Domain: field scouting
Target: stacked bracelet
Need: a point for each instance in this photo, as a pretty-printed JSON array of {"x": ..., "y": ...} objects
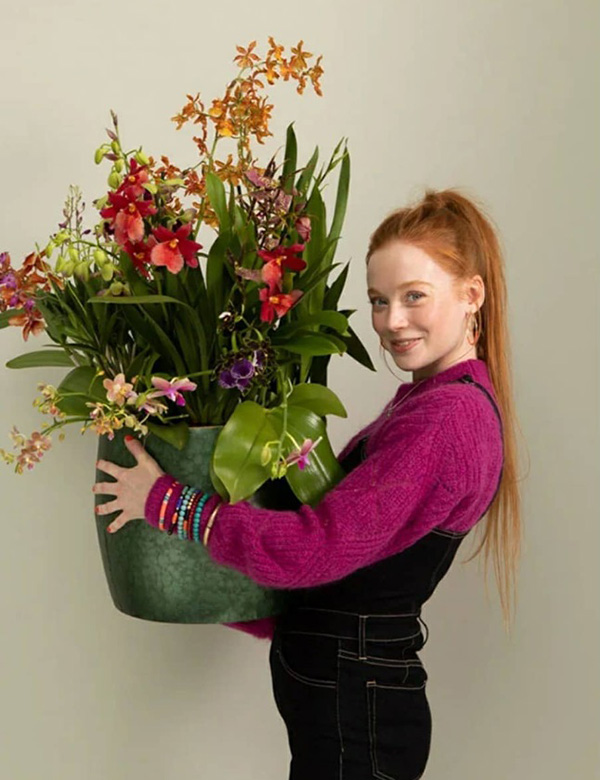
[{"x": 173, "y": 507}]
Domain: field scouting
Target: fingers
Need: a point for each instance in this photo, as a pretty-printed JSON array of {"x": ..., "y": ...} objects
[
  {"x": 105, "y": 488},
  {"x": 108, "y": 468},
  {"x": 107, "y": 508},
  {"x": 118, "y": 523}
]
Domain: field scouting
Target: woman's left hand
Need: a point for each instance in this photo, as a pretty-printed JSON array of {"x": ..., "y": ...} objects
[{"x": 132, "y": 486}]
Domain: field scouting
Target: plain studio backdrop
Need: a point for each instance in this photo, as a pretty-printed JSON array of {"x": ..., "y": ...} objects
[{"x": 498, "y": 98}]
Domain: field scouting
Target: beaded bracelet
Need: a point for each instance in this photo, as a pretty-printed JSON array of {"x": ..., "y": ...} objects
[
  {"x": 182, "y": 512},
  {"x": 163, "y": 506},
  {"x": 173, "y": 523},
  {"x": 197, "y": 517},
  {"x": 198, "y": 494}
]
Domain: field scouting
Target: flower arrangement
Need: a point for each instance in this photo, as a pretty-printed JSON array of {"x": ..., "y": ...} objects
[{"x": 162, "y": 331}]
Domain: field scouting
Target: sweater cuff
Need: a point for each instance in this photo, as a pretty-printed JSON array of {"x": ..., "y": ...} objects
[{"x": 156, "y": 495}]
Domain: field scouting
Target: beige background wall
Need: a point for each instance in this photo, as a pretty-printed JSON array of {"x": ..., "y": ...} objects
[{"x": 498, "y": 97}]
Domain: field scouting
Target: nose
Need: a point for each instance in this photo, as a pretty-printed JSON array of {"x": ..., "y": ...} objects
[{"x": 396, "y": 319}]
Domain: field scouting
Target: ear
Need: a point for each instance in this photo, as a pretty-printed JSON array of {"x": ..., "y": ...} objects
[{"x": 474, "y": 291}]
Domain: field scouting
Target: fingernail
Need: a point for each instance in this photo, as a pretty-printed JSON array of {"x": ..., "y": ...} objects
[
  {"x": 109, "y": 529},
  {"x": 129, "y": 438}
]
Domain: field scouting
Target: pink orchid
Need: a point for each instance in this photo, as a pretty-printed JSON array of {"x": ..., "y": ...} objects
[
  {"x": 172, "y": 389},
  {"x": 301, "y": 456},
  {"x": 118, "y": 390}
]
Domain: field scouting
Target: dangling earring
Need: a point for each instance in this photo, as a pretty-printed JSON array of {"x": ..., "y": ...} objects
[
  {"x": 383, "y": 350},
  {"x": 475, "y": 329}
]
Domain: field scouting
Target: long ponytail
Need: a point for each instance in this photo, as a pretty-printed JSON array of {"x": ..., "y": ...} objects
[{"x": 461, "y": 238}]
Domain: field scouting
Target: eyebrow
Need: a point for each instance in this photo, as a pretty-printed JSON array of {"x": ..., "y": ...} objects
[{"x": 405, "y": 284}]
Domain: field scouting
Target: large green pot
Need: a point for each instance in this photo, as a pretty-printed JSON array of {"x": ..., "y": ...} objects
[{"x": 154, "y": 576}]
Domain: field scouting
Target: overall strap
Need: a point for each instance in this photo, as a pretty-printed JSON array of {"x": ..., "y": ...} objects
[{"x": 468, "y": 380}]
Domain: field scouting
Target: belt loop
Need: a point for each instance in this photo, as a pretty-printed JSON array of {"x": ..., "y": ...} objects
[{"x": 362, "y": 649}]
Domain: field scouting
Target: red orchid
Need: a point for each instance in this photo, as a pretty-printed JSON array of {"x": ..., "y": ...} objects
[
  {"x": 126, "y": 215},
  {"x": 140, "y": 254},
  {"x": 132, "y": 183},
  {"x": 279, "y": 258},
  {"x": 174, "y": 248},
  {"x": 276, "y": 303}
]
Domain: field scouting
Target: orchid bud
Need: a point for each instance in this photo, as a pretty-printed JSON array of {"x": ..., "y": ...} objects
[
  {"x": 99, "y": 155},
  {"x": 116, "y": 288},
  {"x": 59, "y": 265},
  {"x": 100, "y": 257},
  {"x": 82, "y": 271},
  {"x": 114, "y": 180},
  {"x": 73, "y": 254},
  {"x": 100, "y": 203},
  {"x": 50, "y": 247},
  {"x": 107, "y": 271},
  {"x": 119, "y": 165},
  {"x": 114, "y": 145},
  {"x": 265, "y": 455},
  {"x": 188, "y": 215},
  {"x": 141, "y": 158},
  {"x": 61, "y": 237}
]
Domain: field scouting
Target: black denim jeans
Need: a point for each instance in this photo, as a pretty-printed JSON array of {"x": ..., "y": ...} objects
[{"x": 351, "y": 690}]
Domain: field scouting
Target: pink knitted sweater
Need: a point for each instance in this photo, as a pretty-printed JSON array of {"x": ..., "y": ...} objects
[{"x": 434, "y": 463}]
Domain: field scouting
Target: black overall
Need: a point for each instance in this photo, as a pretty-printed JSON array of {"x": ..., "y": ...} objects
[{"x": 347, "y": 678}]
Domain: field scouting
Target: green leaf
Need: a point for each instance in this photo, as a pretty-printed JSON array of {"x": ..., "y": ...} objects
[
  {"x": 319, "y": 399},
  {"x": 357, "y": 350},
  {"x": 84, "y": 386},
  {"x": 305, "y": 177},
  {"x": 55, "y": 357},
  {"x": 332, "y": 319},
  {"x": 290, "y": 158},
  {"x": 341, "y": 200},
  {"x": 309, "y": 343},
  {"x": 323, "y": 470},
  {"x": 332, "y": 295},
  {"x": 6, "y": 315},
  {"x": 140, "y": 299},
  {"x": 216, "y": 197},
  {"x": 238, "y": 449},
  {"x": 176, "y": 434}
]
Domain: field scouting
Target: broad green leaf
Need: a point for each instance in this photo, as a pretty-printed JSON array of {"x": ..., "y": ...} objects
[
  {"x": 319, "y": 399},
  {"x": 332, "y": 319},
  {"x": 216, "y": 196},
  {"x": 139, "y": 299},
  {"x": 309, "y": 343},
  {"x": 55, "y": 357},
  {"x": 323, "y": 470},
  {"x": 175, "y": 434},
  {"x": 85, "y": 386},
  {"x": 237, "y": 453}
]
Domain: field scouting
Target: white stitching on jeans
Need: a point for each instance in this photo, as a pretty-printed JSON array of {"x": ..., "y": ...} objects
[
  {"x": 302, "y": 678},
  {"x": 373, "y": 732},
  {"x": 337, "y": 713}
]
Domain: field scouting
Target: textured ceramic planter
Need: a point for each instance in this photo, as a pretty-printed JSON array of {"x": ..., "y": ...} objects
[{"x": 154, "y": 576}]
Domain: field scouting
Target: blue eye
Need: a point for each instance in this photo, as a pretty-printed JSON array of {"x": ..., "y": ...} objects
[
  {"x": 373, "y": 301},
  {"x": 420, "y": 295}
]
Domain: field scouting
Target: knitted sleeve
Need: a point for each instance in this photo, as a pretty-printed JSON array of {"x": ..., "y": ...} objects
[{"x": 405, "y": 487}]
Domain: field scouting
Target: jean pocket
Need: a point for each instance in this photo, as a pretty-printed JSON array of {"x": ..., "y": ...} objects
[
  {"x": 399, "y": 721},
  {"x": 309, "y": 659}
]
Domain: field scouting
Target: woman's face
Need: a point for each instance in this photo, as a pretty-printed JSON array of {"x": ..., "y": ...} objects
[{"x": 412, "y": 297}]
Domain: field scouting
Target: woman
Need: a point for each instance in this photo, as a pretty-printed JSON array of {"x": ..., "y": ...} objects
[{"x": 347, "y": 677}]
